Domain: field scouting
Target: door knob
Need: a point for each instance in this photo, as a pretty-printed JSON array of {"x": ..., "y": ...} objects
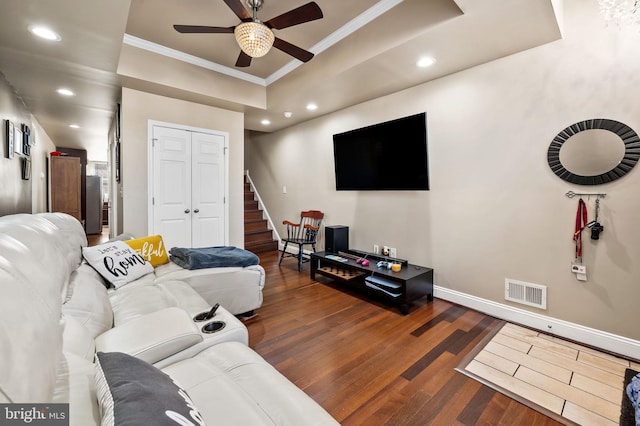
[
  {"x": 187, "y": 211},
  {"x": 196, "y": 211}
]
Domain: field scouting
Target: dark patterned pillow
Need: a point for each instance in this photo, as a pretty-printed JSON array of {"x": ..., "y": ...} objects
[
  {"x": 628, "y": 413},
  {"x": 134, "y": 392}
]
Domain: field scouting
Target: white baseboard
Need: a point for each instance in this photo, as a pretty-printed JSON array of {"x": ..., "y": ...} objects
[{"x": 589, "y": 336}]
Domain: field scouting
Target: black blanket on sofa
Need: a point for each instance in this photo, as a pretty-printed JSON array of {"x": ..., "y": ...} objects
[{"x": 212, "y": 257}]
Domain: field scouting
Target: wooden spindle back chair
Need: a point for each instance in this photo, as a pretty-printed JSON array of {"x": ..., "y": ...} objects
[{"x": 303, "y": 233}]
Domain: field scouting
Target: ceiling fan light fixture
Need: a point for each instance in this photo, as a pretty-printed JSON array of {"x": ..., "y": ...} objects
[{"x": 254, "y": 38}]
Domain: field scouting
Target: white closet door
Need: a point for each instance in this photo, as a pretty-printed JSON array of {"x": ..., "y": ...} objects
[
  {"x": 188, "y": 187},
  {"x": 172, "y": 186},
  {"x": 207, "y": 168}
]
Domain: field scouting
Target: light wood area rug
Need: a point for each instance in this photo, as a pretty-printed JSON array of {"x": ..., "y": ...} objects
[{"x": 571, "y": 383}]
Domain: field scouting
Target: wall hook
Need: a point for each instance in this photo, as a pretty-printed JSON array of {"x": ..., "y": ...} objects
[{"x": 572, "y": 194}]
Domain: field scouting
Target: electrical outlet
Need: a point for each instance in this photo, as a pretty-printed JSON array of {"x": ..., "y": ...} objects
[
  {"x": 392, "y": 252},
  {"x": 578, "y": 269},
  {"x": 376, "y": 249}
]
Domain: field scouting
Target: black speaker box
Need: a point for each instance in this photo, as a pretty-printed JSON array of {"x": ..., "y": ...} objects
[{"x": 336, "y": 238}]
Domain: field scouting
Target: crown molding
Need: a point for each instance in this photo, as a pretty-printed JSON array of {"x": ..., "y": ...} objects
[
  {"x": 190, "y": 59},
  {"x": 347, "y": 29}
]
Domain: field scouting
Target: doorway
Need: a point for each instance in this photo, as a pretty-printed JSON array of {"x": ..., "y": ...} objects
[{"x": 187, "y": 186}]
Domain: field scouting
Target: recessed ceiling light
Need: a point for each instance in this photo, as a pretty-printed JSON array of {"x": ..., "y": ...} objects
[
  {"x": 45, "y": 33},
  {"x": 425, "y": 62},
  {"x": 65, "y": 92},
  {"x": 288, "y": 114},
  {"x": 265, "y": 122},
  {"x": 312, "y": 107},
  {"x": 74, "y": 126}
]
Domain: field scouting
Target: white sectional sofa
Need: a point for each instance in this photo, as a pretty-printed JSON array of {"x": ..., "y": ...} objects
[{"x": 109, "y": 354}]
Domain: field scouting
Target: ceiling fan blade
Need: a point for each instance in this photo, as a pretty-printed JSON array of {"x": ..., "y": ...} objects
[
  {"x": 244, "y": 60},
  {"x": 238, "y": 9},
  {"x": 293, "y": 50},
  {"x": 198, "y": 29},
  {"x": 305, "y": 13}
]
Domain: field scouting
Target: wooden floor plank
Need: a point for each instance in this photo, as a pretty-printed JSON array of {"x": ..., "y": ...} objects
[
  {"x": 566, "y": 392},
  {"x": 615, "y": 365},
  {"x": 532, "y": 393},
  {"x": 497, "y": 362},
  {"x": 535, "y": 339},
  {"x": 583, "y": 416},
  {"x": 512, "y": 343},
  {"x": 537, "y": 364},
  {"x": 583, "y": 348},
  {"x": 587, "y": 384},
  {"x": 471, "y": 413},
  {"x": 579, "y": 367}
]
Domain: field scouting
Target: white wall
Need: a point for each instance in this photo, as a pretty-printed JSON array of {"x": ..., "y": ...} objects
[
  {"x": 140, "y": 107},
  {"x": 495, "y": 209}
]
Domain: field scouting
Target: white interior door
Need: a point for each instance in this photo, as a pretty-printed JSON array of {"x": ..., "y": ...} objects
[
  {"x": 188, "y": 194},
  {"x": 207, "y": 191},
  {"x": 172, "y": 186}
]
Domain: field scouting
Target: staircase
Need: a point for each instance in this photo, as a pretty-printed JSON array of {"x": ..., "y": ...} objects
[{"x": 258, "y": 238}]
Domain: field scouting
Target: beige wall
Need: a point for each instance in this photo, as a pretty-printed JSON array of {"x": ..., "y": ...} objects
[
  {"x": 137, "y": 109},
  {"x": 39, "y": 153},
  {"x": 18, "y": 195},
  {"x": 495, "y": 209}
]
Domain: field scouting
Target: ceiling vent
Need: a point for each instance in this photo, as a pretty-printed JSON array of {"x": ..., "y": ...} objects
[{"x": 525, "y": 293}]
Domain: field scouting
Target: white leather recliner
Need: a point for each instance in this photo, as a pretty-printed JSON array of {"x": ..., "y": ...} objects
[{"x": 56, "y": 314}]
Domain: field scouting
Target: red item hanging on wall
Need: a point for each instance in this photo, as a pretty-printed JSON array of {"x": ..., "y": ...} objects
[{"x": 581, "y": 222}]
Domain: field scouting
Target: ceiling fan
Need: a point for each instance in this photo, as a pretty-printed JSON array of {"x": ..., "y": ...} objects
[{"x": 254, "y": 37}]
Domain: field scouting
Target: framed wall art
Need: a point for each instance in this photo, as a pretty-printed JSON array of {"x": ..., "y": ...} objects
[
  {"x": 17, "y": 140},
  {"x": 117, "y": 162},
  {"x": 26, "y": 168},
  {"x": 26, "y": 140},
  {"x": 9, "y": 135},
  {"x": 117, "y": 125}
]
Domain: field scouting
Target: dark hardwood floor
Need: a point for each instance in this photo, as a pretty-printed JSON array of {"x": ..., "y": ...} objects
[
  {"x": 367, "y": 364},
  {"x": 95, "y": 239}
]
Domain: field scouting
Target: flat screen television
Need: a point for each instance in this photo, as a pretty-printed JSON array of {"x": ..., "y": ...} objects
[{"x": 388, "y": 156}]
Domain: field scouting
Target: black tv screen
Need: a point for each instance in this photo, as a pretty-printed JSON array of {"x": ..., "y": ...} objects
[{"x": 386, "y": 156}]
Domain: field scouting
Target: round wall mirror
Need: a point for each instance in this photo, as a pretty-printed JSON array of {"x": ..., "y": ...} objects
[{"x": 593, "y": 152}]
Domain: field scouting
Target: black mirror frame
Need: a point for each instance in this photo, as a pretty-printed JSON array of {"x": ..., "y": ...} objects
[{"x": 630, "y": 158}]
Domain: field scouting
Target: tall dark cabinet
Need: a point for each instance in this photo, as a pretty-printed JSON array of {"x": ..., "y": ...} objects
[
  {"x": 65, "y": 186},
  {"x": 82, "y": 155}
]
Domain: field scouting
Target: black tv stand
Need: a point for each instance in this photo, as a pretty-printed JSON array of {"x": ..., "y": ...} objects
[{"x": 401, "y": 288}]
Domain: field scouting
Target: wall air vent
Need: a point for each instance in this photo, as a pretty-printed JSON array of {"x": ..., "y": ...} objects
[{"x": 525, "y": 293}]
